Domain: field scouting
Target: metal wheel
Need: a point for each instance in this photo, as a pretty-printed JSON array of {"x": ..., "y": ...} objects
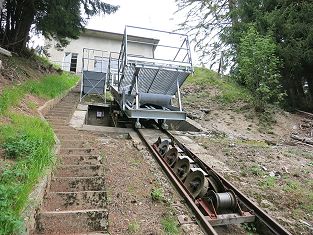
[
  {"x": 163, "y": 147},
  {"x": 196, "y": 184},
  {"x": 171, "y": 156},
  {"x": 182, "y": 168}
]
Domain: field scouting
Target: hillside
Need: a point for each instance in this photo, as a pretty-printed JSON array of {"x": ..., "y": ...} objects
[
  {"x": 26, "y": 141},
  {"x": 259, "y": 155}
]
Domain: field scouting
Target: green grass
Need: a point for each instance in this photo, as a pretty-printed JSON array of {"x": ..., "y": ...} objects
[
  {"x": 170, "y": 225},
  {"x": 133, "y": 227},
  {"x": 157, "y": 194},
  {"x": 27, "y": 143},
  {"x": 268, "y": 182},
  {"x": 230, "y": 91},
  {"x": 49, "y": 87},
  {"x": 18, "y": 178}
]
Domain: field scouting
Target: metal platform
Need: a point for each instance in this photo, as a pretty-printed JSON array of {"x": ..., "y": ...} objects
[{"x": 149, "y": 83}]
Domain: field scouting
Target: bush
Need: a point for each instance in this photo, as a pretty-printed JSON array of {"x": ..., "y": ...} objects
[
  {"x": 19, "y": 146},
  {"x": 258, "y": 68}
]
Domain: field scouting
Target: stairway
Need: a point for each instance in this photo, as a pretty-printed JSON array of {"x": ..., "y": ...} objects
[{"x": 75, "y": 200}]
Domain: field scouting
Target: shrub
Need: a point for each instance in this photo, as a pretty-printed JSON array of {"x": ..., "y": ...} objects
[{"x": 258, "y": 68}]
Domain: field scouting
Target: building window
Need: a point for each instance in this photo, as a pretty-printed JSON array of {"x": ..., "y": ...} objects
[
  {"x": 70, "y": 62},
  {"x": 74, "y": 62}
]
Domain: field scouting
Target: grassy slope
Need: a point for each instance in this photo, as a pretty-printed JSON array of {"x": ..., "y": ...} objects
[
  {"x": 207, "y": 87},
  {"x": 229, "y": 91},
  {"x": 27, "y": 143}
]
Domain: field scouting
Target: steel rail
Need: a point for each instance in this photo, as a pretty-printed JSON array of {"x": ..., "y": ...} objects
[
  {"x": 267, "y": 220},
  {"x": 208, "y": 228}
]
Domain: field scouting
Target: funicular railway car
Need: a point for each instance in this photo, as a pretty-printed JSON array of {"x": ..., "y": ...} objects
[{"x": 145, "y": 85}]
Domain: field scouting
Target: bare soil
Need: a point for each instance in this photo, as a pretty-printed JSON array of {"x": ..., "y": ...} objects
[
  {"x": 266, "y": 164},
  {"x": 131, "y": 176},
  {"x": 16, "y": 70}
]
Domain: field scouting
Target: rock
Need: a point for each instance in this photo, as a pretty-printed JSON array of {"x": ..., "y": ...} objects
[
  {"x": 263, "y": 168},
  {"x": 306, "y": 224},
  {"x": 266, "y": 204},
  {"x": 272, "y": 174},
  {"x": 206, "y": 111},
  {"x": 285, "y": 169}
]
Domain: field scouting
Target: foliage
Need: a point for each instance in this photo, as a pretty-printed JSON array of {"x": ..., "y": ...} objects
[
  {"x": 258, "y": 67},
  {"x": 19, "y": 146},
  {"x": 169, "y": 225},
  {"x": 28, "y": 142},
  {"x": 54, "y": 19},
  {"x": 133, "y": 227},
  {"x": 18, "y": 179},
  {"x": 230, "y": 90},
  {"x": 157, "y": 194},
  {"x": 217, "y": 28},
  {"x": 48, "y": 87}
]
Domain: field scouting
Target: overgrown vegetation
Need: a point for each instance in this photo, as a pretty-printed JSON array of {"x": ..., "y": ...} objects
[
  {"x": 170, "y": 225},
  {"x": 27, "y": 143},
  {"x": 157, "y": 194},
  {"x": 133, "y": 227},
  {"x": 283, "y": 31},
  {"x": 229, "y": 90},
  {"x": 59, "y": 20},
  {"x": 48, "y": 87},
  {"x": 258, "y": 68}
]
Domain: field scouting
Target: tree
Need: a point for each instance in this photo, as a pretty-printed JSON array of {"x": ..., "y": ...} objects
[
  {"x": 258, "y": 67},
  {"x": 58, "y": 19},
  {"x": 218, "y": 25}
]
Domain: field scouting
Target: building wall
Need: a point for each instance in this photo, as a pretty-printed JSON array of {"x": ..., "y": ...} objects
[{"x": 98, "y": 43}]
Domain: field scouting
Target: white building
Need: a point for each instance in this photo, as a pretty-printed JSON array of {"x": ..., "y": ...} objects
[{"x": 98, "y": 45}]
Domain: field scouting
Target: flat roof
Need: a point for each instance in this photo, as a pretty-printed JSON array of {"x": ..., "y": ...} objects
[{"x": 117, "y": 36}]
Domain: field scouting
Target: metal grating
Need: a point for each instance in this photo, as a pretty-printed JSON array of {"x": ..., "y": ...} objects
[{"x": 154, "y": 80}]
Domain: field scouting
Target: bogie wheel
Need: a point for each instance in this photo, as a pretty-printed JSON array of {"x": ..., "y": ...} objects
[
  {"x": 196, "y": 184},
  {"x": 182, "y": 168},
  {"x": 163, "y": 147},
  {"x": 171, "y": 156}
]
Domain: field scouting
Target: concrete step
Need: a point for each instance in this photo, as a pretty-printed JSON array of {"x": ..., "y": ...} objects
[
  {"x": 70, "y": 137},
  {"x": 74, "y": 144},
  {"x": 69, "y": 222},
  {"x": 79, "y": 170},
  {"x": 75, "y": 151},
  {"x": 69, "y": 201},
  {"x": 61, "y": 110},
  {"x": 75, "y": 184},
  {"x": 66, "y": 130},
  {"x": 56, "y": 118},
  {"x": 53, "y": 115},
  {"x": 81, "y": 159},
  {"x": 58, "y": 122}
]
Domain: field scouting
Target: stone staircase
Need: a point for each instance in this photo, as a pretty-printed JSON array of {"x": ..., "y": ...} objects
[{"x": 75, "y": 200}]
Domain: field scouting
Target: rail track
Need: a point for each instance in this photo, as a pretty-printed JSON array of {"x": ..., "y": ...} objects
[{"x": 213, "y": 199}]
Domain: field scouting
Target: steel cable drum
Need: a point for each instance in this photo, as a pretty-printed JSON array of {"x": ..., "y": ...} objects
[
  {"x": 156, "y": 99},
  {"x": 223, "y": 201},
  {"x": 196, "y": 184},
  {"x": 171, "y": 156},
  {"x": 182, "y": 168}
]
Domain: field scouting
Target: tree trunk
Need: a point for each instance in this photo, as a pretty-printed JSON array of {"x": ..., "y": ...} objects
[{"x": 27, "y": 13}]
